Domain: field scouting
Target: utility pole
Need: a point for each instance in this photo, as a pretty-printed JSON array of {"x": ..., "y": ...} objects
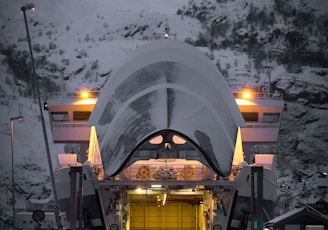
[{"x": 45, "y": 136}]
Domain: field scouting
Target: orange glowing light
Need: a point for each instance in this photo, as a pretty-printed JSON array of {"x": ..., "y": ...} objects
[
  {"x": 84, "y": 94},
  {"x": 178, "y": 140},
  {"x": 247, "y": 95},
  {"x": 156, "y": 140}
]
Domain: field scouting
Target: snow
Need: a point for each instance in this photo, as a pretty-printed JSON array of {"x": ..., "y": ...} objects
[
  {"x": 86, "y": 32},
  {"x": 95, "y": 31}
]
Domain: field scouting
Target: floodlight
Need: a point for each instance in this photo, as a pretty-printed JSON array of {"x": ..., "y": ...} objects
[
  {"x": 246, "y": 95},
  {"x": 29, "y": 6},
  {"x": 84, "y": 94}
]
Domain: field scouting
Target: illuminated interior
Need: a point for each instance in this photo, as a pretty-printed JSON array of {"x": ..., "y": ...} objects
[{"x": 166, "y": 169}]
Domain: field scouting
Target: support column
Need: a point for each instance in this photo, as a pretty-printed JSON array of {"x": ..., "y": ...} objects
[
  {"x": 257, "y": 204},
  {"x": 73, "y": 201},
  {"x": 260, "y": 198}
]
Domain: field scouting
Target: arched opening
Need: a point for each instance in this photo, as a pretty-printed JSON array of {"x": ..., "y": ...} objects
[
  {"x": 166, "y": 155},
  {"x": 164, "y": 174}
]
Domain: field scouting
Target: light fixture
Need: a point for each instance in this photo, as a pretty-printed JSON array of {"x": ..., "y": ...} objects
[
  {"x": 167, "y": 30},
  {"x": 159, "y": 201},
  {"x": 139, "y": 190},
  {"x": 45, "y": 106},
  {"x": 247, "y": 95},
  {"x": 164, "y": 199},
  {"x": 156, "y": 186},
  {"x": 84, "y": 94},
  {"x": 29, "y": 6}
]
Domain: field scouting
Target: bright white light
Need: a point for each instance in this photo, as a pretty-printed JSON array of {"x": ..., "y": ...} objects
[
  {"x": 139, "y": 190},
  {"x": 155, "y": 186},
  {"x": 164, "y": 199}
]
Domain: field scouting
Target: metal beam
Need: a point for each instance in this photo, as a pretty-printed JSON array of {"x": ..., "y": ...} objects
[
  {"x": 73, "y": 201},
  {"x": 257, "y": 204}
]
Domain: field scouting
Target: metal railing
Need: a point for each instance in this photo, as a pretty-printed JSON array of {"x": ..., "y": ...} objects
[
  {"x": 262, "y": 125},
  {"x": 258, "y": 95},
  {"x": 55, "y": 95},
  {"x": 70, "y": 125}
]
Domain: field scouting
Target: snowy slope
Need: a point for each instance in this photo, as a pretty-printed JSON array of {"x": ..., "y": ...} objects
[
  {"x": 81, "y": 40},
  {"x": 84, "y": 41}
]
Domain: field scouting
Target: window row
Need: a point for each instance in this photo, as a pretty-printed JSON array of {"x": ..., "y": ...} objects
[
  {"x": 267, "y": 117},
  {"x": 77, "y": 116}
]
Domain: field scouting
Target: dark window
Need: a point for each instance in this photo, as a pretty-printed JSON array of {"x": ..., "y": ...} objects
[
  {"x": 81, "y": 115},
  {"x": 314, "y": 227},
  {"x": 271, "y": 117},
  {"x": 250, "y": 116},
  {"x": 59, "y": 116}
]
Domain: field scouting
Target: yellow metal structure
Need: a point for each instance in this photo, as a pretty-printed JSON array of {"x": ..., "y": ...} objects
[{"x": 177, "y": 216}]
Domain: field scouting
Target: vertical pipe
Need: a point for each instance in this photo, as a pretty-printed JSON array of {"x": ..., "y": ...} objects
[
  {"x": 13, "y": 171},
  {"x": 72, "y": 212},
  {"x": 73, "y": 200},
  {"x": 12, "y": 119},
  {"x": 252, "y": 199},
  {"x": 259, "y": 197},
  {"x": 81, "y": 199}
]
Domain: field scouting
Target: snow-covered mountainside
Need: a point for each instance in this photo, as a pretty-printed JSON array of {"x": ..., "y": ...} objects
[{"x": 78, "y": 43}]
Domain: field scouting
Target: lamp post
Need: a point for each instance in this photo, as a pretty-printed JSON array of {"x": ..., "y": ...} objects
[
  {"x": 37, "y": 91},
  {"x": 12, "y": 165}
]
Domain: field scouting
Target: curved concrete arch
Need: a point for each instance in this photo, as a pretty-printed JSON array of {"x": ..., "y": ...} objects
[{"x": 166, "y": 85}]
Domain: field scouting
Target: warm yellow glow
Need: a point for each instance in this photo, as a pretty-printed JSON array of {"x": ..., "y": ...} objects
[
  {"x": 84, "y": 94},
  {"x": 87, "y": 101},
  {"x": 247, "y": 95},
  {"x": 94, "y": 156},
  {"x": 139, "y": 190},
  {"x": 178, "y": 140},
  {"x": 244, "y": 102},
  {"x": 156, "y": 140},
  {"x": 164, "y": 199},
  {"x": 238, "y": 157},
  {"x": 33, "y": 8}
]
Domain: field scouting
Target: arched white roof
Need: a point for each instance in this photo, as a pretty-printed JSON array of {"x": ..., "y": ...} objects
[{"x": 163, "y": 85}]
